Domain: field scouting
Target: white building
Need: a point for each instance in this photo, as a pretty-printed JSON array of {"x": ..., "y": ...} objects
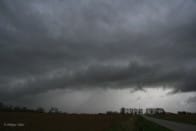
[
  {"x": 153, "y": 111},
  {"x": 133, "y": 111}
]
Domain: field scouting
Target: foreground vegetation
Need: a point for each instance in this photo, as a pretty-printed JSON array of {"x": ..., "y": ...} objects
[
  {"x": 186, "y": 118},
  {"x": 137, "y": 123},
  {"x": 76, "y": 122},
  {"x": 145, "y": 125}
]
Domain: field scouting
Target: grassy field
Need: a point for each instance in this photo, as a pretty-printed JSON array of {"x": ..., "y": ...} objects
[
  {"x": 138, "y": 123},
  {"x": 145, "y": 125},
  {"x": 189, "y": 119},
  {"x": 64, "y": 122}
]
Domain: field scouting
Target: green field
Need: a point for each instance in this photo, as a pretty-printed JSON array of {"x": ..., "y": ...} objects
[
  {"x": 189, "y": 118},
  {"x": 76, "y": 122},
  {"x": 138, "y": 123}
]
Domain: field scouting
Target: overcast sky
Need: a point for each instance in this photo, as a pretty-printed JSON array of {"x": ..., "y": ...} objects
[{"x": 103, "y": 53}]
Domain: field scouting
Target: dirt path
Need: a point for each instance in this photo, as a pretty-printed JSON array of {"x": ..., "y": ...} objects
[{"x": 175, "y": 126}]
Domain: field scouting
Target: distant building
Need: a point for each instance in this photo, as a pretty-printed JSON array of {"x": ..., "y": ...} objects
[
  {"x": 132, "y": 111},
  {"x": 153, "y": 111}
]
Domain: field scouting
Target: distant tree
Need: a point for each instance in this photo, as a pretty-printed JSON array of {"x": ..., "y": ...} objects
[
  {"x": 122, "y": 110},
  {"x": 54, "y": 110},
  {"x": 9, "y": 108},
  {"x": 18, "y": 109},
  {"x": 40, "y": 110},
  {"x": 184, "y": 113},
  {"x": 111, "y": 112},
  {"x": 1, "y": 105},
  {"x": 24, "y": 109}
]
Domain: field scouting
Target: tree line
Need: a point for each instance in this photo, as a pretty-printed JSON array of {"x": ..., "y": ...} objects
[{"x": 10, "y": 108}]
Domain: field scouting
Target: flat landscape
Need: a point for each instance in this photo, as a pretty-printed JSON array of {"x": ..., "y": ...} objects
[
  {"x": 174, "y": 126},
  {"x": 76, "y": 122}
]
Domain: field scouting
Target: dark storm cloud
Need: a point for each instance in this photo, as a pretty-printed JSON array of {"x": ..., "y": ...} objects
[
  {"x": 96, "y": 44},
  {"x": 192, "y": 99}
]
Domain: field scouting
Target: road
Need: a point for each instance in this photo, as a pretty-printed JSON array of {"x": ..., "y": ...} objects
[{"x": 175, "y": 126}]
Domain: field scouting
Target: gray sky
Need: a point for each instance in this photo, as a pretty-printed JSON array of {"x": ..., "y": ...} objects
[{"x": 88, "y": 52}]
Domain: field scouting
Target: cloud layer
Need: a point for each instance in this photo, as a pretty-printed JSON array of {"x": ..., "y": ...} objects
[{"x": 96, "y": 44}]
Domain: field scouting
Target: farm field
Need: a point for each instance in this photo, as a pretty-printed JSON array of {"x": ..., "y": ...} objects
[{"x": 76, "y": 122}]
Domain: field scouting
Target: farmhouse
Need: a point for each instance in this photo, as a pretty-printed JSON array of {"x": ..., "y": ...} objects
[
  {"x": 133, "y": 111},
  {"x": 153, "y": 111}
]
